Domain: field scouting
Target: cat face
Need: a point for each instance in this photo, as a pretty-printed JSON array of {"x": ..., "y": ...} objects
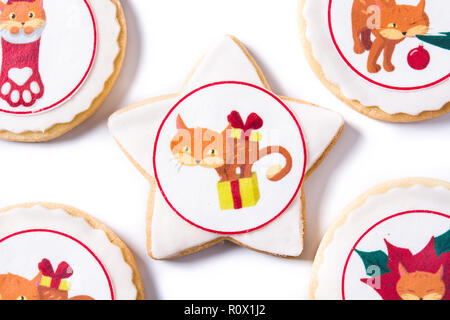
[
  {"x": 401, "y": 21},
  {"x": 420, "y": 285},
  {"x": 197, "y": 146},
  {"x": 13, "y": 287},
  {"x": 22, "y": 15}
]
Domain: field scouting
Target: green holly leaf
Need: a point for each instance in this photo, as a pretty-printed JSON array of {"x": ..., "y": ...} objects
[
  {"x": 375, "y": 262},
  {"x": 442, "y": 243},
  {"x": 441, "y": 40}
]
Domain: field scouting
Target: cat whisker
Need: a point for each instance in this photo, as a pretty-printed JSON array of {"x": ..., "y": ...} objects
[
  {"x": 175, "y": 162},
  {"x": 180, "y": 167}
]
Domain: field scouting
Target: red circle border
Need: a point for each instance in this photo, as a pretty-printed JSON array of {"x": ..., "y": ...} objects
[
  {"x": 373, "y": 227},
  {"x": 71, "y": 93},
  {"x": 73, "y": 239},
  {"x": 330, "y": 27},
  {"x": 248, "y": 85}
]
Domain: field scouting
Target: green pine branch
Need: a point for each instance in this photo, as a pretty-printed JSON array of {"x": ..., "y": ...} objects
[{"x": 441, "y": 40}]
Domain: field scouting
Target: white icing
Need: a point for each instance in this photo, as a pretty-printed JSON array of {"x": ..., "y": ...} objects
[
  {"x": 34, "y": 87},
  {"x": 26, "y": 95},
  {"x": 37, "y": 217},
  {"x": 171, "y": 235},
  {"x": 216, "y": 66},
  {"x": 15, "y": 96},
  {"x": 320, "y": 126},
  {"x": 376, "y": 208},
  {"x": 283, "y": 236},
  {"x": 20, "y": 76},
  {"x": 108, "y": 29},
  {"x": 6, "y": 88},
  {"x": 135, "y": 130},
  {"x": 353, "y": 86}
]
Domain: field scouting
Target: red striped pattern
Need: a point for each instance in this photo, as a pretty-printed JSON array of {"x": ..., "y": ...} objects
[{"x": 236, "y": 192}]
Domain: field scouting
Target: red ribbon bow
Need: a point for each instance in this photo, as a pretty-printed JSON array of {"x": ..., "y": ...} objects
[
  {"x": 63, "y": 271},
  {"x": 253, "y": 122}
]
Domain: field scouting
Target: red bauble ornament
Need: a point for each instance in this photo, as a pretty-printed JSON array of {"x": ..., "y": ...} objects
[{"x": 419, "y": 58}]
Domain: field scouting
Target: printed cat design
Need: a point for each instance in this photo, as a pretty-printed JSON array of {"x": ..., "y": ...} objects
[
  {"x": 14, "y": 287},
  {"x": 420, "y": 285},
  {"x": 21, "y": 25},
  {"x": 390, "y": 23},
  {"x": 401, "y": 274},
  {"x": 219, "y": 151}
]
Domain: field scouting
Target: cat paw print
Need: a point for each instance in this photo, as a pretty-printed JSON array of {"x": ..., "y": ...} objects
[{"x": 21, "y": 87}]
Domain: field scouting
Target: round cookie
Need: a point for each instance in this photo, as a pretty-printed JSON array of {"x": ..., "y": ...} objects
[
  {"x": 59, "y": 61},
  {"x": 391, "y": 243},
  {"x": 56, "y": 252},
  {"x": 387, "y": 59}
]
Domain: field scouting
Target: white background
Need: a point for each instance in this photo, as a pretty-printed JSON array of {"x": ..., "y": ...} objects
[{"x": 86, "y": 169}]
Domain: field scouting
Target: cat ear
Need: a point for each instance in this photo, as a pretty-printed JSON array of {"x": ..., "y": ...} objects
[
  {"x": 386, "y": 3},
  {"x": 227, "y": 129},
  {"x": 180, "y": 123},
  {"x": 421, "y": 5},
  {"x": 402, "y": 270},
  {"x": 40, "y": 2},
  {"x": 36, "y": 279},
  {"x": 440, "y": 272}
]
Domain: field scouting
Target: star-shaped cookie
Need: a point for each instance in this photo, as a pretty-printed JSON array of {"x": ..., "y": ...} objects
[{"x": 226, "y": 158}]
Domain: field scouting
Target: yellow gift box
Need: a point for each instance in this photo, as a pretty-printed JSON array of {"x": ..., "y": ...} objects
[
  {"x": 238, "y": 194},
  {"x": 64, "y": 285},
  {"x": 255, "y": 136},
  {"x": 236, "y": 133}
]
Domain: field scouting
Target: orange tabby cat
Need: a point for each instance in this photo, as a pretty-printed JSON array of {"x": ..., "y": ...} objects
[
  {"x": 13, "y": 287},
  {"x": 390, "y": 23},
  {"x": 420, "y": 285},
  {"x": 220, "y": 152},
  {"x": 18, "y": 15}
]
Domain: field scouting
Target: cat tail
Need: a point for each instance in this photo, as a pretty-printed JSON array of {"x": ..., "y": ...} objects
[{"x": 276, "y": 172}]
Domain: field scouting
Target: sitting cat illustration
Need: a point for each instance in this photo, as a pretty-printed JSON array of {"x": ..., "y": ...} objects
[
  {"x": 390, "y": 24},
  {"x": 219, "y": 151},
  {"x": 420, "y": 285}
]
